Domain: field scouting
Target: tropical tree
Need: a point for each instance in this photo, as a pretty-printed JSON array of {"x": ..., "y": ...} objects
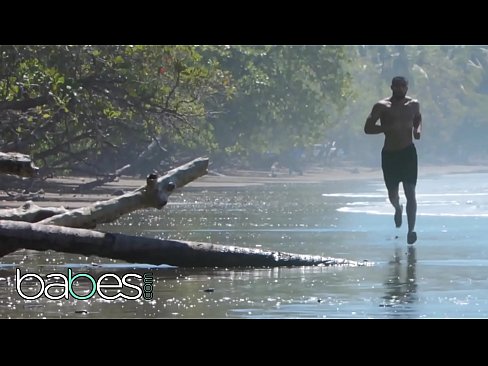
[
  {"x": 285, "y": 96},
  {"x": 90, "y": 108}
]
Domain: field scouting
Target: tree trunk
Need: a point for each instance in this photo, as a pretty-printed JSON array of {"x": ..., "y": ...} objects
[
  {"x": 154, "y": 194},
  {"x": 17, "y": 164},
  {"x": 135, "y": 249}
]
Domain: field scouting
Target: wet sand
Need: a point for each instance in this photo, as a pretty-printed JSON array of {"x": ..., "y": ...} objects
[{"x": 57, "y": 193}]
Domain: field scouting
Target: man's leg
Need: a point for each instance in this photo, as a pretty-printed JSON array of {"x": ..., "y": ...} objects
[
  {"x": 391, "y": 176},
  {"x": 409, "y": 190},
  {"x": 395, "y": 201}
]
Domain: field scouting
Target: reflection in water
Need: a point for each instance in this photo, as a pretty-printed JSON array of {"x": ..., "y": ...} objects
[
  {"x": 402, "y": 291},
  {"x": 177, "y": 292}
]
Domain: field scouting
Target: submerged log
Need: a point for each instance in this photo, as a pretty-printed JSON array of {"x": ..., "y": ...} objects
[
  {"x": 17, "y": 164},
  {"x": 135, "y": 249},
  {"x": 154, "y": 194}
]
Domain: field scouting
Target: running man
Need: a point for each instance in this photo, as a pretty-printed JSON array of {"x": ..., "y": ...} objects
[{"x": 399, "y": 117}]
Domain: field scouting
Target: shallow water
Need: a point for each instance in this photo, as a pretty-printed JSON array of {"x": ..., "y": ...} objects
[{"x": 445, "y": 274}]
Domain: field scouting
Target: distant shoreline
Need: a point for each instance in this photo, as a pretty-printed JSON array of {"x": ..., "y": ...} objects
[
  {"x": 231, "y": 178},
  {"x": 317, "y": 175}
]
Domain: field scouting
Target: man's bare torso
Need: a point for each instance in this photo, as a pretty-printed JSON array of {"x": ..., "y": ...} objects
[{"x": 397, "y": 118}]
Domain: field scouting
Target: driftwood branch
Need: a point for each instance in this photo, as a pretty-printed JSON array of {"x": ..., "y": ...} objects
[
  {"x": 17, "y": 164},
  {"x": 154, "y": 194},
  {"x": 61, "y": 232},
  {"x": 135, "y": 249},
  {"x": 83, "y": 188},
  {"x": 30, "y": 212}
]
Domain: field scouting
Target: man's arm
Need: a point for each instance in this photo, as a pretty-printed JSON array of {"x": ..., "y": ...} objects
[
  {"x": 417, "y": 123},
  {"x": 370, "y": 126}
]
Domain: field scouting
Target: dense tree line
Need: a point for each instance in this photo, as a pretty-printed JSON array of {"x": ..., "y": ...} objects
[{"x": 89, "y": 109}]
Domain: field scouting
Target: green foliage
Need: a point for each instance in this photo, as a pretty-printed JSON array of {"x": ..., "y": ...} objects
[
  {"x": 284, "y": 97},
  {"x": 105, "y": 102},
  {"x": 99, "y": 107}
]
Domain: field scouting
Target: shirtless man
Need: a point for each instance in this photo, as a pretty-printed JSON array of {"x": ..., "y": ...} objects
[{"x": 399, "y": 117}]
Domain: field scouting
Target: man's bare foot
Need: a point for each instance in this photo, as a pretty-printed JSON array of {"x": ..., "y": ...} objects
[
  {"x": 398, "y": 216},
  {"x": 411, "y": 237}
]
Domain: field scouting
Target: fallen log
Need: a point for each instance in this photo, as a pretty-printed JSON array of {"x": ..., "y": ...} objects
[
  {"x": 30, "y": 212},
  {"x": 60, "y": 232},
  {"x": 108, "y": 209},
  {"x": 135, "y": 249},
  {"x": 154, "y": 194},
  {"x": 17, "y": 164}
]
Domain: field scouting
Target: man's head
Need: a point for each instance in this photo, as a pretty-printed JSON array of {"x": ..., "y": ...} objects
[{"x": 399, "y": 87}]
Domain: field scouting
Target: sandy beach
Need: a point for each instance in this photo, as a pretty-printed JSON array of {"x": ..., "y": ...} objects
[{"x": 57, "y": 190}]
